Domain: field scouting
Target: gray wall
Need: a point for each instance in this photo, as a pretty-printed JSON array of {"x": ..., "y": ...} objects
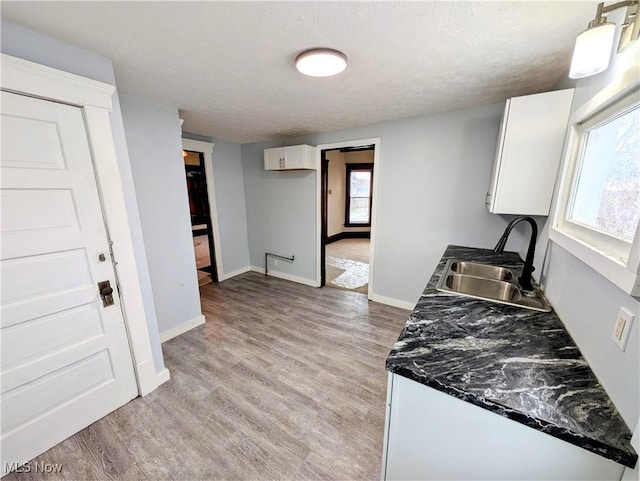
[
  {"x": 29, "y": 45},
  {"x": 281, "y": 213},
  {"x": 587, "y": 302},
  {"x": 433, "y": 176},
  {"x": 230, "y": 199},
  {"x": 155, "y": 148}
]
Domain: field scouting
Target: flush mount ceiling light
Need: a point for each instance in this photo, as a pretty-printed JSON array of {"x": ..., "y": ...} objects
[
  {"x": 321, "y": 62},
  {"x": 592, "y": 51}
]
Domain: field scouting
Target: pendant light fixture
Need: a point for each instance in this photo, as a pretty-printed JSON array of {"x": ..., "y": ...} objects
[
  {"x": 592, "y": 52},
  {"x": 321, "y": 62}
]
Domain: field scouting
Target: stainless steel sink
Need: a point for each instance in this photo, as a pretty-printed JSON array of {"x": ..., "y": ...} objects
[
  {"x": 482, "y": 270},
  {"x": 484, "y": 288},
  {"x": 489, "y": 283}
]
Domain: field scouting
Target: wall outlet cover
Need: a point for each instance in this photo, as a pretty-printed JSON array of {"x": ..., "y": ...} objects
[{"x": 622, "y": 328}]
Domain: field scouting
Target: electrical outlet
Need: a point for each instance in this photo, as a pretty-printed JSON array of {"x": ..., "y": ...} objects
[
  {"x": 275, "y": 262},
  {"x": 622, "y": 328}
]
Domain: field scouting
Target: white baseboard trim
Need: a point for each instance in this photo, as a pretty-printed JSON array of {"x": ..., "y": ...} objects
[
  {"x": 390, "y": 301},
  {"x": 286, "y": 277},
  {"x": 235, "y": 273},
  {"x": 162, "y": 376},
  {"x": 182, "y": 328},
  {"x": 151, "y": 379},
  {"x": 146, "y": 377}
]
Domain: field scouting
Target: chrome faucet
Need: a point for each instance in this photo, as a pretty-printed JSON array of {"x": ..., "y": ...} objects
[{"x": 527, "y": 270}]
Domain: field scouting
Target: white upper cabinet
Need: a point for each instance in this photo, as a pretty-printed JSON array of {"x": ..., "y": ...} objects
[
  {"x": 295, "y": 157},
  {"x": 528, "y": 153}
]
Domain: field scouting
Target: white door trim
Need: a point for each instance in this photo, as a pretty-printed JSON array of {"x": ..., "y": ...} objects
[
  {"x": 95, "y": 99},
  {"x": 207, "y": 148},
  {"x": 374, "y": 204}
]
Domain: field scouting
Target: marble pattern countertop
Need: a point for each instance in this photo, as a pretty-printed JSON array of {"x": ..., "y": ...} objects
[{"x": 518, "y": 363}]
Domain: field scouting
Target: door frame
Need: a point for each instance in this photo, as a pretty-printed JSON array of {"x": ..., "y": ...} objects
[
  {"x": 324, "y": 215},
  {"x": 206, "y": 149},
  {"x": 320, "y": 242},
  {"x": 94, "y": 98}
]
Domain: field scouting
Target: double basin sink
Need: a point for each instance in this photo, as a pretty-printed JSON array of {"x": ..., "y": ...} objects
[{"x": 489, "y": 283}]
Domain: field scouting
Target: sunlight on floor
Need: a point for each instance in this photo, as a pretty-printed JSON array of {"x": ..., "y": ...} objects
[
  {"x": 356, "y": 274},
  {"x": 347, "y": 265}
]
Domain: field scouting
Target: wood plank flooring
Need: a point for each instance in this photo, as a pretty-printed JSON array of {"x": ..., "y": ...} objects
[{"x": 283, "y": 382}]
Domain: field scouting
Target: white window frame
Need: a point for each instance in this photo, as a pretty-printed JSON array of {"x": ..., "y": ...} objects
[{"x": 600, "y": 252}]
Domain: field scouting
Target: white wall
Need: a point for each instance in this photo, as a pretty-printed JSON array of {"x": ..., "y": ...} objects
[
  {"x": 433, "y": 176},
  {"x": 231, "y": 207},
  {"x": 155, "y": 148},
  {"x": 29, "y": 45}
]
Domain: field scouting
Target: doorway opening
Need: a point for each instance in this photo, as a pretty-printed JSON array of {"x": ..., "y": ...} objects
[
  {"x": 201, "y": 222},
  {"x": 347, "y": 174}
]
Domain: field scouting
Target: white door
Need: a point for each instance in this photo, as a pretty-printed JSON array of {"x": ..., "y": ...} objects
[{"x": 65, "y": 357}]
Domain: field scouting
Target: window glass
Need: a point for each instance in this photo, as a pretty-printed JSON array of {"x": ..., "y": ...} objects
[
  {"x": 360, "y": 191},
  {"x": 606, "y": 195}
]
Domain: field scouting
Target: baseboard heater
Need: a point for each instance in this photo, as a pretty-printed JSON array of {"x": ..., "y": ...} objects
[{"x": 269, "y": 254}]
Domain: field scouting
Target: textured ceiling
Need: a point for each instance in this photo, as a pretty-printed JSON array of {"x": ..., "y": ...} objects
[{"x": 228, "y": 66}]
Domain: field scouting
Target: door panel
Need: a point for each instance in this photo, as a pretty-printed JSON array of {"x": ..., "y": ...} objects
[
  {"x": 74, "y": 326},
  {"x": 65, "y": 357}
]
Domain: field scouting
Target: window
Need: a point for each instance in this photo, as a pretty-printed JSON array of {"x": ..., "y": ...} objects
[
  {"x": 604, "y": 206},
  {"x": 597, "y": 216},
  {"x": 358, "y": 198}
]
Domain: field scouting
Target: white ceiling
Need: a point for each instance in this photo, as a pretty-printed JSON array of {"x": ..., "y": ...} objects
[{"x": 228, "y": 66}]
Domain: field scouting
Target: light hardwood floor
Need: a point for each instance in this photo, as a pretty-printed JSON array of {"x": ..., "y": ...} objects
[
  {"x": 203, "y": 258},
  {"x": 283, "y": 382}
]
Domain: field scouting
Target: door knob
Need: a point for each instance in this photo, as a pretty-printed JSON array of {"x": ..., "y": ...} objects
[{"x": 106, "y": 292}]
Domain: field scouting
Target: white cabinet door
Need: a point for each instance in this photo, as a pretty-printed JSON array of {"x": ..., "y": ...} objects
[
  {"x": 274, "y": 159},
  {"x": 65, "y": 357},
  {"x": 433, "y": 436},
  {"x": 528, "y": 153},
  {"x": 294, "y": 157}
]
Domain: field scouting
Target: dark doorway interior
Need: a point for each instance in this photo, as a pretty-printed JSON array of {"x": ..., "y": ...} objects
[{"x": 201, "y": 225}]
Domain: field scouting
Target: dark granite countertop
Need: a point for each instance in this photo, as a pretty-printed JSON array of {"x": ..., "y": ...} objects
[{"x": 518, "y": 363}]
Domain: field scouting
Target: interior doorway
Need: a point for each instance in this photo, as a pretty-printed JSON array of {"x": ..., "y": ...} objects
[
  {"x": 201, "y": 221},
  {"x": 347, "y": 185}
]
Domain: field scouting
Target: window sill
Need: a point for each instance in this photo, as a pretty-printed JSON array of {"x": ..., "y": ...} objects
[
  {"x": 626, "y": 277},
  {"x": 357, "y": 225}
]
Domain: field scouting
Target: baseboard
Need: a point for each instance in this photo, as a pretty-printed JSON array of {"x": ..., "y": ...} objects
[
  {"x": 286, "y": 277},
  {"x": 390, "y": 301},
  {"x": 348, "y": 235},
  {"x": 182, "y": 328},
  {"x": 146, "y": 377},
  {"x": 162, "y": 376},
  {"x": 235, "y": 273}
]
